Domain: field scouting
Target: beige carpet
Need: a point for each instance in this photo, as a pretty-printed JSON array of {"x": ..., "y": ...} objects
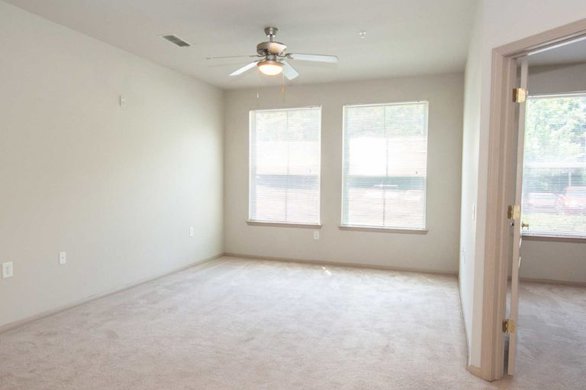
[
  {"x": 552, "y": 338},
  {"x": 244, "y": 324}
]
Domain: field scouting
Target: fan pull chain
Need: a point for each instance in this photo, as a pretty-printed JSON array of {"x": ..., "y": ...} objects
[{"x": 283, "y": 87}]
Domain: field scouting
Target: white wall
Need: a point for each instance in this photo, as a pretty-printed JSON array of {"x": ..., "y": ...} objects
[
  {"x": 545, "y": 259},
  {"x": 468, "y": 269},
  {"x": 115, "y": 187},
  {"x": 498, "y": 22},
  {"x": 435, "y": 251}
]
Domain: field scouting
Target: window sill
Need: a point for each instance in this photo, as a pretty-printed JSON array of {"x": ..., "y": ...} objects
[
  {"x": 553, "y": 237},
  {"x": 382, "y": 229},
  {"x": 284, "y": 224}
]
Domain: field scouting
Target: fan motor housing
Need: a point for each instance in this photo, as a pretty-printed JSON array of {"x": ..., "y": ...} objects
[{"x": 275, "y": 48}]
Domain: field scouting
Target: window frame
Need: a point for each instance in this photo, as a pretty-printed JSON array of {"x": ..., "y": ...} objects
[
  {"x": 377, "y": 228},
  {"x": 251, "y": 142},
  {"x": 553, "y": 236}
]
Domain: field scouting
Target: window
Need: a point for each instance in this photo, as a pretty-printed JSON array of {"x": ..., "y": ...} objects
[
  {"x": 285, "y": 165},
  {"x": 554, "y": 171},
  {"x": 385, "y": 166}
]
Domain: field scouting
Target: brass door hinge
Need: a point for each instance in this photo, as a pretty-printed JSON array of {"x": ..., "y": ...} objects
[
  {"x": 509, "y": 326},
  {"x": 519, "y": 95},
  {"x": 514, "y": 211}
]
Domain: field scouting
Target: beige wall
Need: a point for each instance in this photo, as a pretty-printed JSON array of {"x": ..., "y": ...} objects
[
  {"x": 498, "y": 22},
  {"x": 435, "y": 251},
  {"x": 554, "y": 260},
  {"x": 115, "y": 187},
  {"x": 557, "y": 79},
  {"x": 551, "y": 260}
]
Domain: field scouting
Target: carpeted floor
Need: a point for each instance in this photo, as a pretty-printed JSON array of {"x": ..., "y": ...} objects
[
  {"x": 552, "y": 338},
  {"x": 246, "y": 324}
]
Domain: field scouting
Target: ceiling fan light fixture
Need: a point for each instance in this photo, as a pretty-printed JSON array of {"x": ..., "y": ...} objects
[
  {"x": 270, "y": 67},
  {"x": 272, "y": 58}
]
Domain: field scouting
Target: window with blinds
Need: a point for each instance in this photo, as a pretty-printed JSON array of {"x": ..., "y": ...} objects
[
  {"x": 554, "y": 166},
  {"x": 385, "y": 166},
  {"x": 285, "y": 166}
]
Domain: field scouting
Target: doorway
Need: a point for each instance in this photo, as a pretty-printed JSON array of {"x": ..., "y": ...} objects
[
  {"x": 501, "y": 192},
  {"x": 548, "y": 262}
]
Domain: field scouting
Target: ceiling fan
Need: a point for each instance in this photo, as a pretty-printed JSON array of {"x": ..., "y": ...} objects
[{"x": 272, "y": 56}]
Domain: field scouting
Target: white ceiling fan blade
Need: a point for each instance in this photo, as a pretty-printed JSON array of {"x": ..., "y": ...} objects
[
  {"x": 313, "y": 57},
  {"x": 243, "y": 69},
  {"x": 289, "y": 72}
]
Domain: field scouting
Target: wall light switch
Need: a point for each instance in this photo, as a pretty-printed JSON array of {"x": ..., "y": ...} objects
[
  {"x": 316, "y": 234},
  {"x": 62, "y": 258},
  {"x": 191, "y": 231},
  {"x": 7, "y": 269}
]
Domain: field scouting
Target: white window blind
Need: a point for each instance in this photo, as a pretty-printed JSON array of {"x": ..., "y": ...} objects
[
  {"x": 285, "y": 165},
  {"x": 554, "y": 171},
  {"x": 385, "y": 165}
]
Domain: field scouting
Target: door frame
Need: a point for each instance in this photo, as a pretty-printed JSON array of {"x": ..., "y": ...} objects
[{"x": 502, "y": 154}]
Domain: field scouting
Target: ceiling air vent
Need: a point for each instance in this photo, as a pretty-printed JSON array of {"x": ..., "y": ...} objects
[{"x": 176, "y": 40}]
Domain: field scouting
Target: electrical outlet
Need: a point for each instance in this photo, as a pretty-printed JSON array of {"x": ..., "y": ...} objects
[
  {"x": 316, "y": 234},
  {"x": 7, "y": 269},
  {"x": 62, "y": 258},
  {"x": 191, "y": 231}
]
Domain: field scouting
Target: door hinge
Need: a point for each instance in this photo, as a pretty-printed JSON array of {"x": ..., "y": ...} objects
[
  {"x": 519, "y": 95},
  {"x": 514, "y": 211},
  {"x": 509, "y": 326}
]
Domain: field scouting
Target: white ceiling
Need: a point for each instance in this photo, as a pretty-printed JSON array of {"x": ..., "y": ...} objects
[{"x": 403, "y": 37}]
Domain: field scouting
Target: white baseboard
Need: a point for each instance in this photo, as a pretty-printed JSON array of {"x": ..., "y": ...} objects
[
  {"x": 554, "y": 281},
  {"x": 341, "y": 264}
]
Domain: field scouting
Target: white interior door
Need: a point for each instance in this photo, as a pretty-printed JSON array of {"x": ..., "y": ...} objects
[{"x": 517, "y": 225}]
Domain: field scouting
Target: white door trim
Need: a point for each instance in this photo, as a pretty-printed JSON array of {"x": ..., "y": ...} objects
[{"x": 501, "y": 183}]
